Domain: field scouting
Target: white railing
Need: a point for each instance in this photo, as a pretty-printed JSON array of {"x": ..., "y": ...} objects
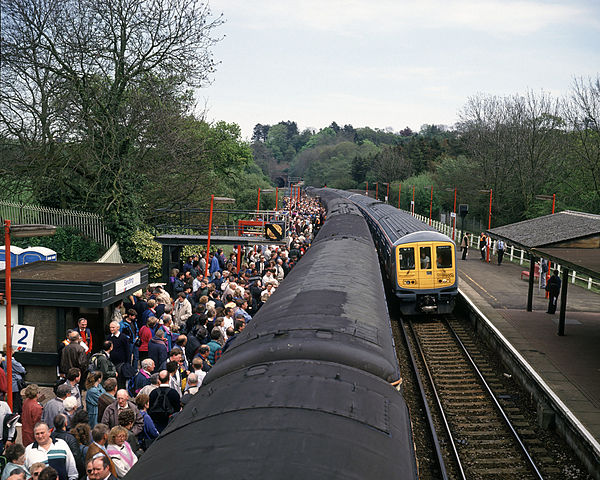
[
  {"x": 90, "y": 224},
  {"x": 511, "y": 252},
  {"x": 112, "y": 255}
]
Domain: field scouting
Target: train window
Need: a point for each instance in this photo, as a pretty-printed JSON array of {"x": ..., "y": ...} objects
[
  {"x": 443, "y": 254},
  {"x": 425, "y": 258},
  {"x": 407, "y": 258}
]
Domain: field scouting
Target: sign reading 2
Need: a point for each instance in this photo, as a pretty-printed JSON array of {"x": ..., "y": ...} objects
[{"x": 22, "y": 338}]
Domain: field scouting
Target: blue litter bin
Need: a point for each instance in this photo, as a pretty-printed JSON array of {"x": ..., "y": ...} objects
[
  {"x": 15, "y": 253},
  {"x": 37, "y": 254}
]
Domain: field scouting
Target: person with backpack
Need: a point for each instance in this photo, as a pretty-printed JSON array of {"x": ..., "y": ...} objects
[
  {"x": 101, "y": 361},
  {"x": 164, "y": 401}
]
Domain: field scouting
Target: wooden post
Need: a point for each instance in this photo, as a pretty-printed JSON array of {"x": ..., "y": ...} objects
[
  {"x": 532, "y": 261},
  {"x": 563, "y": 302}
]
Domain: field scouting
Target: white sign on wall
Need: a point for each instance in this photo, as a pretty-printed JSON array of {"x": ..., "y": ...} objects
[
  {"x": 22, "y": 338},
  {"x": 127, "y": 283}
]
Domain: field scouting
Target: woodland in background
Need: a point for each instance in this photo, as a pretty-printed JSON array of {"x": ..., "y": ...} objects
[
  {"x": 520, "y": 146},
  {"x": 97, "y": 113}
]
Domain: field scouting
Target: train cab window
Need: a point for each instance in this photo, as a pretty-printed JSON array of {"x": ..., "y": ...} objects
[
  {"x": 443, "y": 254},
  {"x": 425, "y": 256},
  {"x": 407, "y": 258}
]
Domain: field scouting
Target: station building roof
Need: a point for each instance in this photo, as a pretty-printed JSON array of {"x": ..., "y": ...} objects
[
  {"x": 74, "y": 284},
  {"x": 569, "y": 238},
  {"x": 568, "y": 229}
]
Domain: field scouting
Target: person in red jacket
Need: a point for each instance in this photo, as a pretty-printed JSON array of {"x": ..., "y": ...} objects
[
  {"x": 146, "y": 334},
  {"x": 31, "y": 414}
]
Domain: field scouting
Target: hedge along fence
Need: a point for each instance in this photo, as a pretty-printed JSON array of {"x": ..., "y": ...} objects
[
  {"x": 515, "y": 255},
  {"x": 89, "y": 224}
]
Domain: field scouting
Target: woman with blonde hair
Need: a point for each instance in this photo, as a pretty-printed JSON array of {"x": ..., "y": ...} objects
[
  {"x": 120, "y": 451},
  {"x": 32, "y": 412}
]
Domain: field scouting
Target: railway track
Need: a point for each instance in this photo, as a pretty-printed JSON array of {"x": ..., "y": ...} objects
[{"x": 473, "y": 436}]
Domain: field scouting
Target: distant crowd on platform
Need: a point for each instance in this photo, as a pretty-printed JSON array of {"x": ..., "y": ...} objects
[{"x": 116, "y": 394}]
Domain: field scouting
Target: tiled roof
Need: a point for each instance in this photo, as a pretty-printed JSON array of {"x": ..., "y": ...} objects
[{"x": 550, "y": 229}]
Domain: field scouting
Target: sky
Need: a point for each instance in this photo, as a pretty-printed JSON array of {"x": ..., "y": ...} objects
[{"x": 391, "y": 63}]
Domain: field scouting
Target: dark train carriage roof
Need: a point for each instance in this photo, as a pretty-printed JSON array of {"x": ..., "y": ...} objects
[
  {"x": 395, "y": 223},
  {"x": 291, "y": 419},
  {"x": 322, "y": 311}
]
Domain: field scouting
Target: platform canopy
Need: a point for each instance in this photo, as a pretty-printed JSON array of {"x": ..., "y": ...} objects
[{"x": 569, "y": 238}]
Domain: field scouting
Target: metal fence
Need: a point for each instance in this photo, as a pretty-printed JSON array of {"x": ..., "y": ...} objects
[
  {"x": 89, "y": 224},
  {"x": 512, "y": 253}
]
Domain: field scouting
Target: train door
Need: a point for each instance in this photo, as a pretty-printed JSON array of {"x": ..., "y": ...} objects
[
  {"x": 444, "y": 263},
  {"x": 426, "y": 278},
  {"x": 407, "y": 272}
]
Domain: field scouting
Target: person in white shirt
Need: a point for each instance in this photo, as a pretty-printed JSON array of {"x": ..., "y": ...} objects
[{"x": 53, "y": 452}]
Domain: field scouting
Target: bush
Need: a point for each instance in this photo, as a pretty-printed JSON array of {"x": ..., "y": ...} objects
[
  {"x": 69, "y": 244},
  {"x": 142, "y": 248}
]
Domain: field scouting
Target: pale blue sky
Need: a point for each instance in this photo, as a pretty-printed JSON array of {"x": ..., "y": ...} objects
[{"x": 391, "y": 63}]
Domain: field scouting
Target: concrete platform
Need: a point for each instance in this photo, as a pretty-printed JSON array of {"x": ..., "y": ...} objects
[{"x": 569, "y": 365}]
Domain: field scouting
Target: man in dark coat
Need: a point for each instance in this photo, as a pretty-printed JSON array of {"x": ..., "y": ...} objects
[
  {"x": 553, "y": 287},
  {"x": 158, "y": 349},
  {"x": 60, "y": 431},
  {"x": 73, "y": 355}
]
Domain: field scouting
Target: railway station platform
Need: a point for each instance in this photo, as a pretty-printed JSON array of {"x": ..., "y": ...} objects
[{"x": 570, "y": 364}]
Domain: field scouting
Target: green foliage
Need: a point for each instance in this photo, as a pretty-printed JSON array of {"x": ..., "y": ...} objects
[
  {"x": 69, "y": 244},
  {"x": 142, "y": 248}
]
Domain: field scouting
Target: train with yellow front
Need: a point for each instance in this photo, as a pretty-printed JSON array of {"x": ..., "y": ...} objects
[{"x": 419, "y": 262}]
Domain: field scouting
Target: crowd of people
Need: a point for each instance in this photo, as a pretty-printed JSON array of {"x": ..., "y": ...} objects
[{"x": 115, "y": 395}]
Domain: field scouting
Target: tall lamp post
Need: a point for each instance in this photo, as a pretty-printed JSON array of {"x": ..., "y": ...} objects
[
  {"x": 412, "y": 204},
  {"x": 367, "y": 188},
  {"x": 17, "y": 231},
  {"x": 376, "y": 190},
  {"x": 454, "y": 216},
  {"x": 213, "y": 200},
  {"x": 399, "y": 192},
  {"x": 387, "y": 192},
  {"x": 430, "y": 202},
  {"x": 489, "y": 222}
]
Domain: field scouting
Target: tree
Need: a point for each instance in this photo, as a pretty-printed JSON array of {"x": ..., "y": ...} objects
[
  {"x": 86, "y": 86},
  {"x": 390, "y": 164},
  {"x": 582, "y": 112}
]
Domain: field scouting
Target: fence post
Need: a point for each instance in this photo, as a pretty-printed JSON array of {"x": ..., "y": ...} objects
[
  {"x": 522, "y": 255},
  {"x": 589, "y": 283},
  {"x": 574, "y": 276},
  {"x": 512, "y": 252}
]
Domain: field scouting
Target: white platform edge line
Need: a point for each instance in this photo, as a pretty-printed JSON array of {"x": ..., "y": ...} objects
[{"x": 540, "y": 380}]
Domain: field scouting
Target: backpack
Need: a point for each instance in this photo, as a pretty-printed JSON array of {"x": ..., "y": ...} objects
[
  {"x": 93, "y": 365},
  {"x": 9, "y": 427},
  {"x": 59, "y": 382},
  {"x": 161, "y": 404}
]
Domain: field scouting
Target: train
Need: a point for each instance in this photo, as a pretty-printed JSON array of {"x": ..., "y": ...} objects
[
  {"x": 418, "y": 261},
  {"x": 309, "y": 388}
]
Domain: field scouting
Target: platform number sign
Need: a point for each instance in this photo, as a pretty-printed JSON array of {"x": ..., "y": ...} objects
[{"x": 22, "y": 338}]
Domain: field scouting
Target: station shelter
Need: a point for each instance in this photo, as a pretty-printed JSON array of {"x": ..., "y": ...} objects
[
  {"x": 52, "y": 296},
  {"x": 570, "y": 239}
]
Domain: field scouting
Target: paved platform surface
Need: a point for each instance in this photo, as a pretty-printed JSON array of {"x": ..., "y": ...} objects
[{"x": 570, "y": 365}]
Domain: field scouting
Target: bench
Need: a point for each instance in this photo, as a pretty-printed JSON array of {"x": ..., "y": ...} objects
[{"x": 536, "y": 272}]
